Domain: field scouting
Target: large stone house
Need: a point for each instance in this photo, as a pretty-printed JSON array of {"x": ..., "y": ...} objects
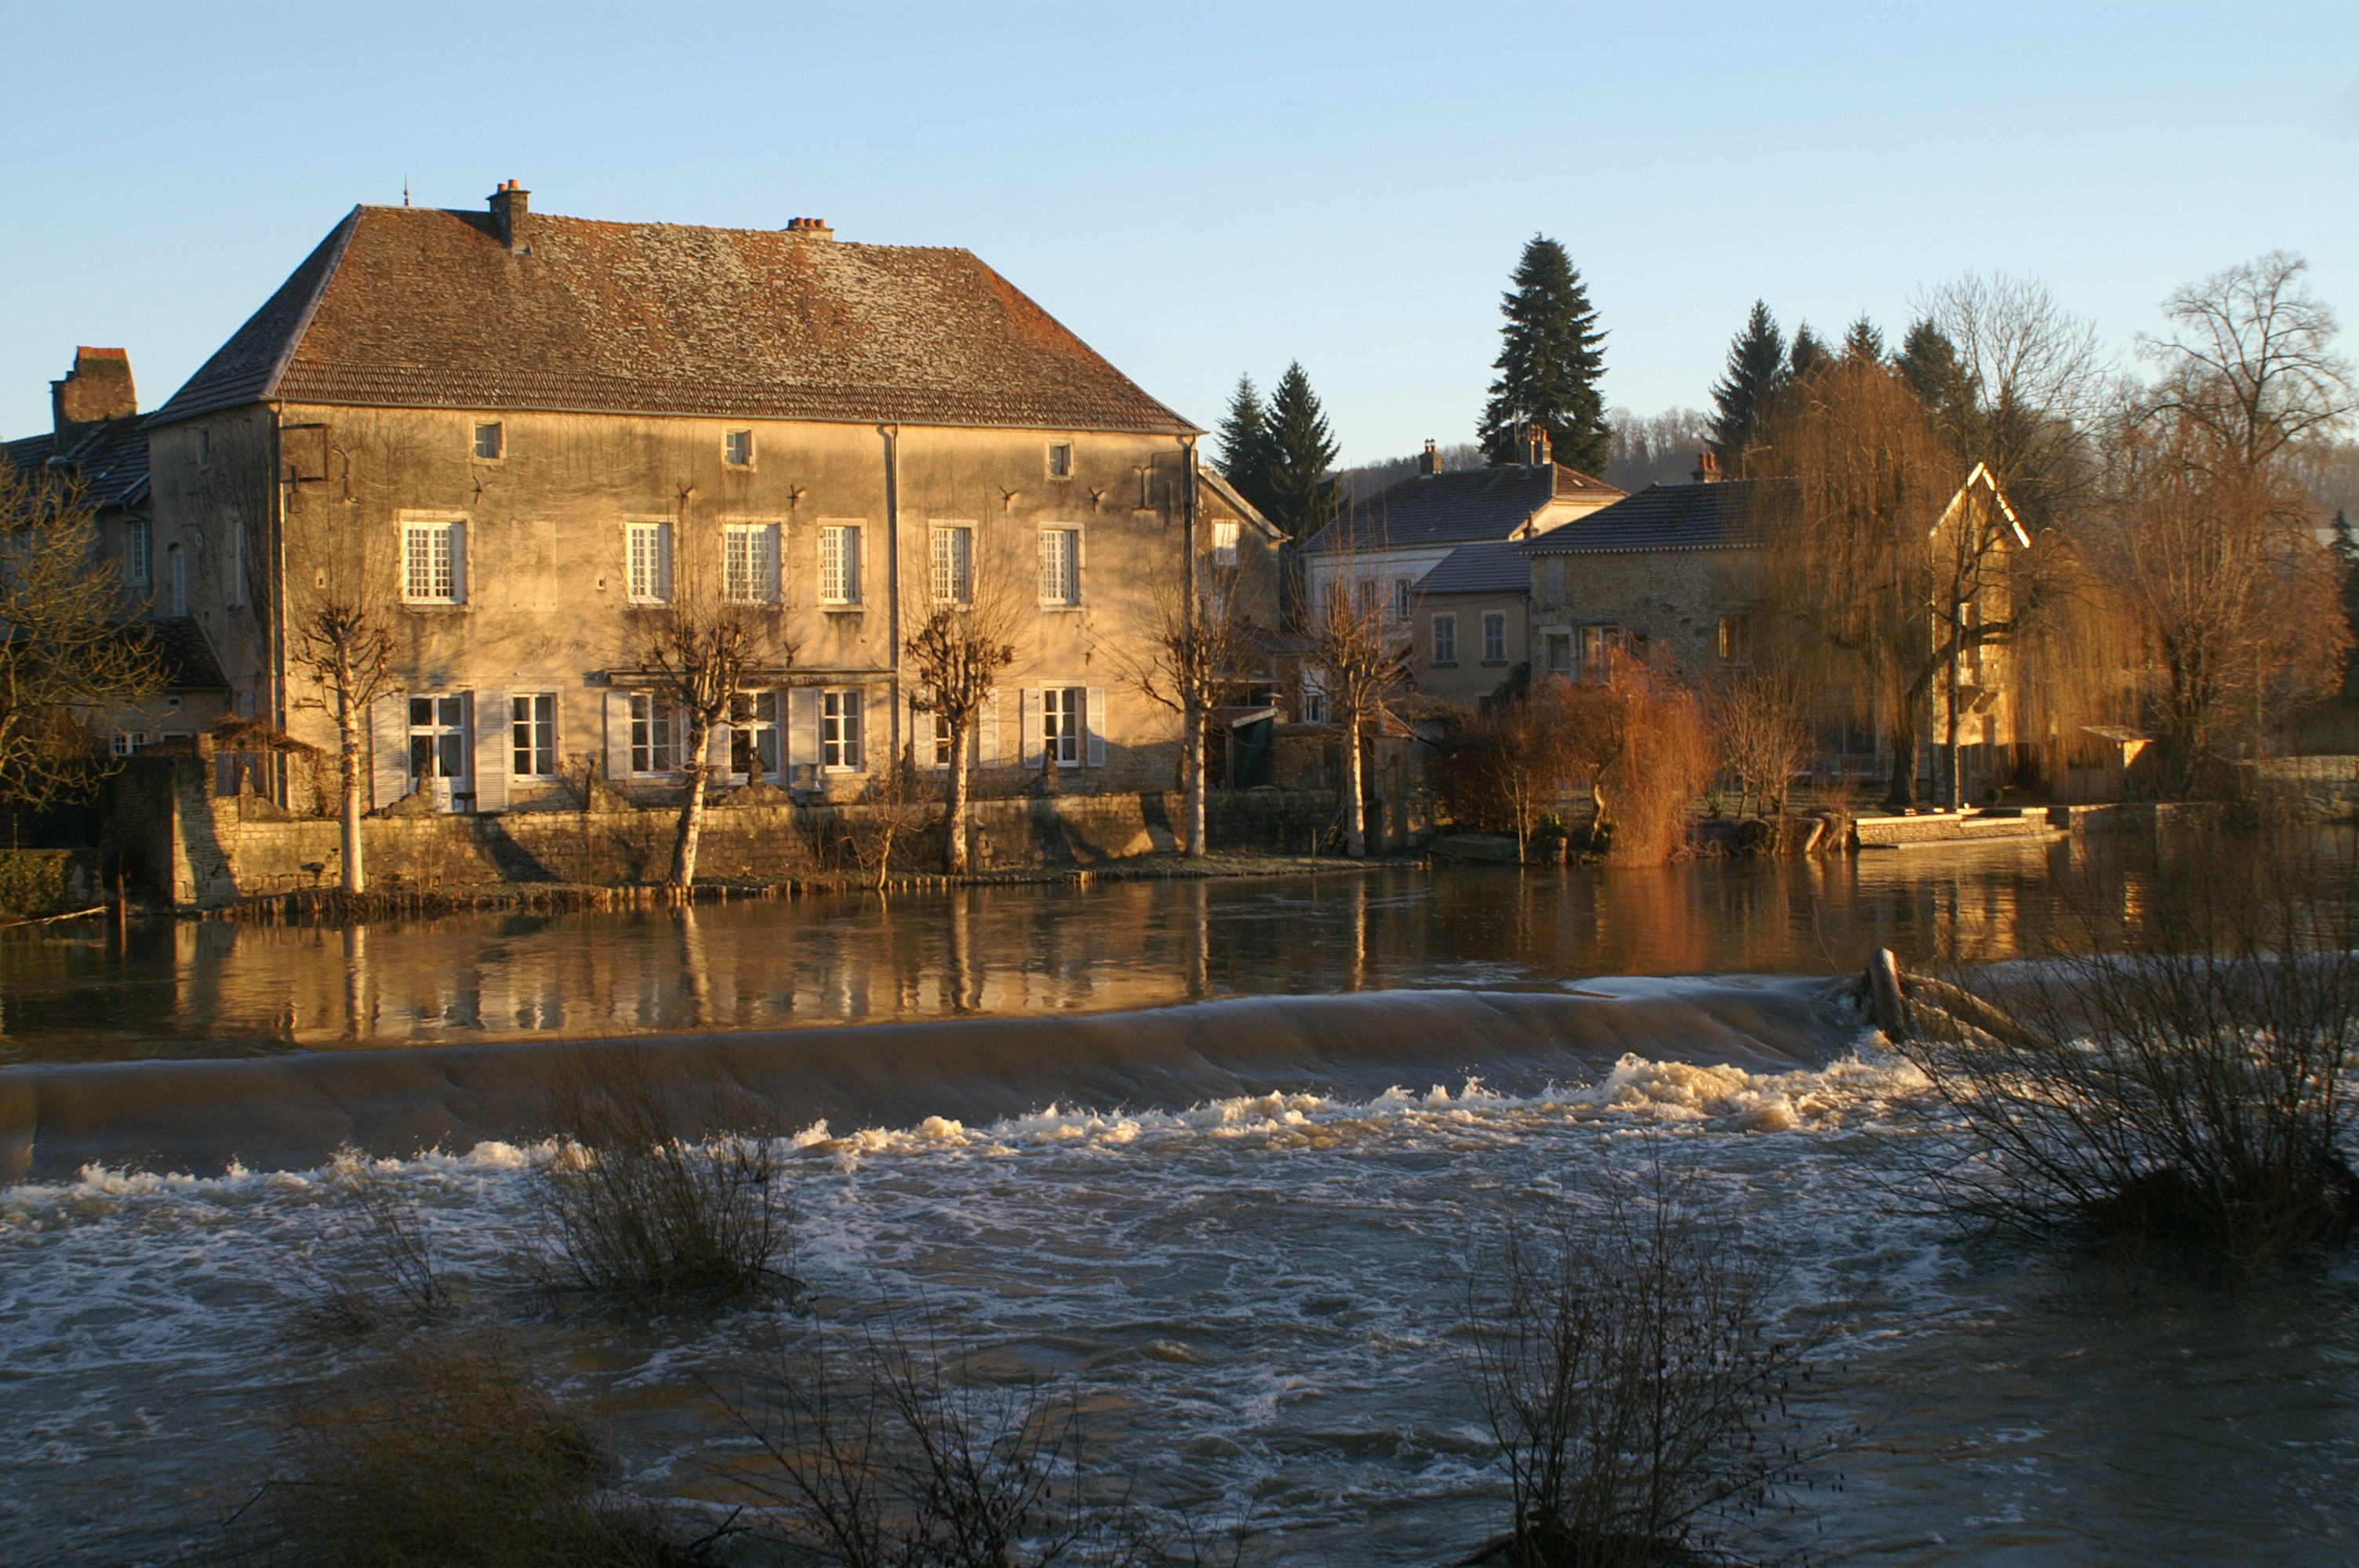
[
  {"x": 1473, "y": 621},
  {"x": 524, "y": 442}
]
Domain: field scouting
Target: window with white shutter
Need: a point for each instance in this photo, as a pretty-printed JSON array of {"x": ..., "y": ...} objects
[
  {"x": 649, "y": 545},
  {"x": 433, "y": 562},
  {"x": 954, "y": 563},
  {"x": 1061, "y": 566},
  {"x": 750, "y": 563},
  {"x": 838, "y": 563}
]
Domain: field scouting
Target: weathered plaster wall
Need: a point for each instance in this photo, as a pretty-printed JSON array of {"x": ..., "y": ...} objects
[{"x": 1472, "y": 677}]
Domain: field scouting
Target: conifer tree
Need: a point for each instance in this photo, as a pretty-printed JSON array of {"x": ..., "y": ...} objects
[
  {"x": 1928, "y": 361},
  {"x": 1807, "y": 354},
  {"x": 1756, "y": 365},
  {"x": 1302, "y": 451},
  {"x": 1244, "y": 445},
  {"x": 1864, "y": 344},
  {"x": 1549, "y": 364}
]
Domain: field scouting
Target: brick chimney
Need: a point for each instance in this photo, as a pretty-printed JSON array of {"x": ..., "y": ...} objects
[
  {"x": 1537, "y": 452},
  {"x": 1428, "y": 462},
  {"x": 1707, "y": 469},
  {"x": 810, "y": 228},
  {"x": 98, "y": 387},
  {"x": 510, "y": 204}
]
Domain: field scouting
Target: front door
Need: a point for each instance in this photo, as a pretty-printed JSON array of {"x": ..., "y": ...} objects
[{"x": 438, "y": 752}]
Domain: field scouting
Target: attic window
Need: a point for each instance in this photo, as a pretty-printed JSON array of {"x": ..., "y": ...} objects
[
  {"x": 488, "y": 442},
  {"x": 737, "y": 449},
  {"x": 1061, "y": 460}
]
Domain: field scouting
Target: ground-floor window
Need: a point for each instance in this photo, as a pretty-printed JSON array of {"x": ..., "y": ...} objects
[
  {"x": 532, "y": 727},
  {"x": 942, "y": 741},
  {"x": 754, "y": 734},
  {"x": 437, "y": 740},
  {"x": 838, "y": 729},
  {"x": 1061, "y": 712},
  {"x": 651, "y": 736}
]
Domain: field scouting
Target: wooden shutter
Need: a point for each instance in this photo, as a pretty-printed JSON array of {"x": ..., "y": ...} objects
[
  {"x": 388, "y": 722},
  {"x": 1035, "y": 745},
  {"x": 716, "y": 747},
  {"x": 1094, "y": 726},
  {"x": 802, "y": 729},
  {"x": 494, "y": 736},
  {"x": 986, "y": 732},
  {"x": 618, "y": 736},
  {"x": 875, "y": 725}
]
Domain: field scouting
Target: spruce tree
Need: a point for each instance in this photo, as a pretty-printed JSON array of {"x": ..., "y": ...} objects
[
  {"x": 1756, "y": 365},
  {"x": 1864, "y": 344},
  {"x": 1928, "y": 361},
  {"x": 1302, "y": 451},
  {"x": 1549, "y": 364},
  {"x": 1244, "y": 445},
  {"x": 1807, "y": 354}
]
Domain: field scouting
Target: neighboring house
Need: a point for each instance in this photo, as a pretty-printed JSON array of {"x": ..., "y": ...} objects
[
  {"x": 1473, "y": 621},
  {"x": 1383, "y": 545},
  {"x": 525, "y": 441},
  {"x": 97, "y": 440}
]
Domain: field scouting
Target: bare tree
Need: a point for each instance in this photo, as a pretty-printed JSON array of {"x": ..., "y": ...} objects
[
  {"x": 1355, "y": 651},
  {"x": 719, "y": 631},
  {"x": 345, "y": 641},
  {"x": 1760, "y": 715},
  {"x": 956, "y": 654},
  {"x": 2212, "y": 538},
  {"x": 1198, "y": 649},
  {"x": 1507, "y": 765},
  {"x": 66, "y": 658}
]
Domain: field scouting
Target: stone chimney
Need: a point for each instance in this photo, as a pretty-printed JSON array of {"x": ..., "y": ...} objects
[
  {"x": 810, "y": 228},
  {"x": 1537, "y": 452},
  {"x": 1428, "y": 462},
  {"x": 510, "y": 204},
  {"x": 1707, "y": 469},
  {"x": 98, "y": 387}
]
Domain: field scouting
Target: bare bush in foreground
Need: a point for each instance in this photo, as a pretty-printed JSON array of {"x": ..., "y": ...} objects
[
  {"x": 640, "y": 1210},
  {"x": 375, "y": 1243},
  {"x": 2182, "y": 1078},
  {"x": 1628, "y": 1366},
  {"x": 436, "y": 1454}
]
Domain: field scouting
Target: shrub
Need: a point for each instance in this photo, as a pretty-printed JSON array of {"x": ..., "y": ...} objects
[
  {"x": 435, "y": 1453},
  {"x": 640, "y": 1210},
  {"x": 375, "y": 1243},
  {"x": 1639, "y": 738},
  {"x": 1628, "y": 1364},
  {"x": 32, "y": 883},
  {"x": 2177, "y": 1077}
]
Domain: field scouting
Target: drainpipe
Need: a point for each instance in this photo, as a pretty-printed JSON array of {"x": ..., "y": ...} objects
[{"x": 892, "y": 434}]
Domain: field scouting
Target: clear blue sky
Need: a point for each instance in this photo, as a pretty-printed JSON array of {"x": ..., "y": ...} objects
[{"x": 1205, "y": 190}]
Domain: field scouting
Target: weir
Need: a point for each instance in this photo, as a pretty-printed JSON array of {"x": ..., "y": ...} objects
[{"x": 290, "y": 1111}]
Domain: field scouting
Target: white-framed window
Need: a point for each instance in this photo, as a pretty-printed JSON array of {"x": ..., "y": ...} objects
[
  {"x": 491, "y": 441},
  {"x": 1445, "y": 639},
  {"x": 838, "y": 729},
  {"x": 954, "y": 563},
  {"x": 437, "y": 740},
  {"x": 433, "y": 561},
  {"x": 1224, "y": 544},
  {"x": 942, "y": 737},
  {"x": 137, "y": 540},
  {"x": 754, "y": 734},
  {"x": 1494, "y": 638},
  {"x": 532, "y": 729},
  {"x": 233, "y": 590},
  {"x": 1735, "y": 638},
  {"x": 1400, "y": 599},
  {"x": 1064, "y": 713},
  {"x": 1314, "y": 703},
  {"x": 1061, "y": 460},
  {"x": 838, "y": 563},
  {"x": 1561, "y": 656},
  {"x": 647, "y": 550},
  {"x": 750, "y": 562},
  {"x": 652, "y": 735},
  {"x": 123, "y": 742},
  {"x": 1363, "y": 595},
  {"x": 737, "y": 449},
  {"x": 204, "y": 447},
  {"x": 1061, "y": 566}
]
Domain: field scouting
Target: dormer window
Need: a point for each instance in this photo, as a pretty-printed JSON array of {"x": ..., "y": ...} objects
[
  {"x": 737, "y": 449},
  {"x": 1061, "y": 460},
  {"x": 489, "y": 443}
]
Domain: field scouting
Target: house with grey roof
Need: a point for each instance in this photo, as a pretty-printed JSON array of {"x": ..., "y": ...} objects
[
  {"x": 1472, "y": 614},
  {"x": 523, "y": 438},
  {"x": 1382, "y": 547}
]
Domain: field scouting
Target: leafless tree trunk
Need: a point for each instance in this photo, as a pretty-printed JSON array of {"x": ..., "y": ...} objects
[
  {"x": 1194, "y": 652},
  {"x": 346, "y": 646},
  {"x": 1356, "y": 652},
  {"x": 956, "y": 654}
]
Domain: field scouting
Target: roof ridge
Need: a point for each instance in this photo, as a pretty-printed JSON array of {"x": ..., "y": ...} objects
[{"x": 343, "y": 236}]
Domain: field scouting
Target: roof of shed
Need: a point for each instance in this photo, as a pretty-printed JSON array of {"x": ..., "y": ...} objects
[
  {"x": 110, "y": 457},
  {"x": 1456, "y": 508},
  {"x": 418, "y": 308},
  {"x": 1723, "y": 516},
  {"x": 1493, "y": 566}
]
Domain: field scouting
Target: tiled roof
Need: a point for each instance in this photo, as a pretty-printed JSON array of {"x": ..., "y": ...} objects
[
  {"x": 186, "y": 654},
  {"x": 1494, "y": 566},
  {"x": 111, "y": 457},
  {"x": 1456, "y": 508},
  {"x": 1726, "y": 515},
  {"x": 416, "y": 308}
]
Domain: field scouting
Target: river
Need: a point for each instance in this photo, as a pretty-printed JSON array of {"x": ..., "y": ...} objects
[{"x": 1241, "y": 1235}]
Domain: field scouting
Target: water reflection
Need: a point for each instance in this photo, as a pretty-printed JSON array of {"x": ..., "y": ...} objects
[{"x": 210, "y": 988}]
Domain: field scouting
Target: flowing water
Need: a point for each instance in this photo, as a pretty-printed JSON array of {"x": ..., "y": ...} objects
[{"x": 1240, "y": 1232}]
